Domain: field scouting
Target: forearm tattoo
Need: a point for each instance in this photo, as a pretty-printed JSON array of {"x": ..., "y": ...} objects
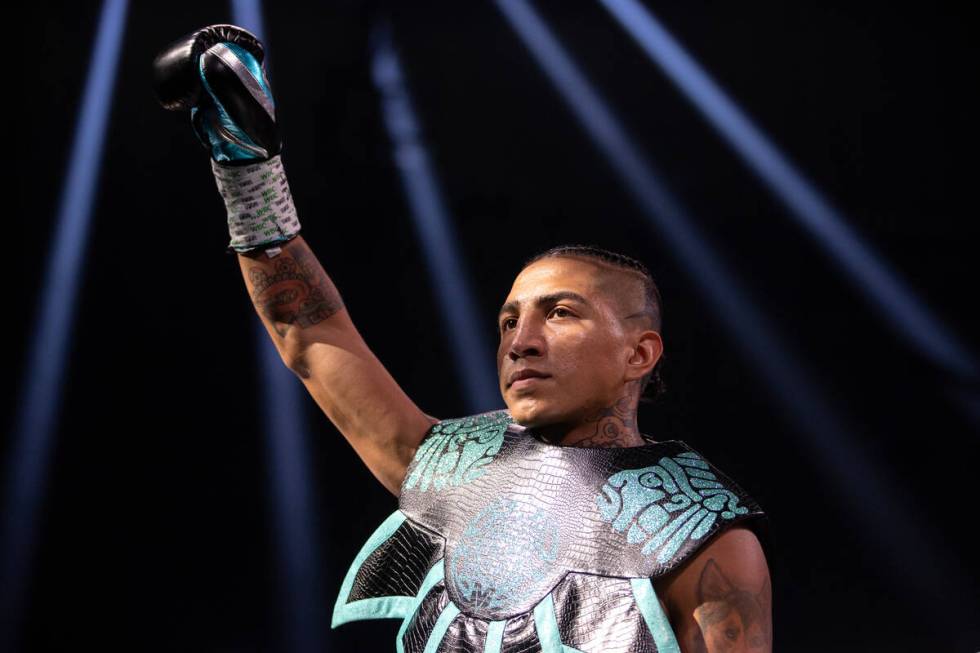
[
  {"x": 291, "y": 289},
  {"x": 731, "y": 618}
]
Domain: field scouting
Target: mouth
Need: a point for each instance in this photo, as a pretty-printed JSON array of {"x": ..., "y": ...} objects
[
  {"x": 525, "y": 378},
  {"x": 528, "y": 382}
]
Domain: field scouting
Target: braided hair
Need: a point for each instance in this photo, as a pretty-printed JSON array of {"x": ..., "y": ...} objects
[{"x": 652, "y": 385}]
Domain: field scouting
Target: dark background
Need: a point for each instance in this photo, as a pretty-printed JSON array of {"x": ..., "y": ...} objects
[{"x": 156, "y": 531}]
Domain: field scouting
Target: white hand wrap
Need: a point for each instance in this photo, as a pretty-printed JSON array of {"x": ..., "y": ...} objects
[{"x": 260, "y": 206}]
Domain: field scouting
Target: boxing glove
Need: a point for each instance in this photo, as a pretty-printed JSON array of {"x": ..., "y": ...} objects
[{"x": 217, "y": 74}]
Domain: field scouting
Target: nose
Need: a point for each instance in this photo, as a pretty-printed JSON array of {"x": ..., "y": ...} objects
[{"x": 526, "y": 340}]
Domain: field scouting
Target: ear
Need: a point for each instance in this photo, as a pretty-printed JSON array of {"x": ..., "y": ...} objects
[{"x": 647, "y": 349}]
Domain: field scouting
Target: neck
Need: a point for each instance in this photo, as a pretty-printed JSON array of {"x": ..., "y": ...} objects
[{"x": 612, "y": 426}]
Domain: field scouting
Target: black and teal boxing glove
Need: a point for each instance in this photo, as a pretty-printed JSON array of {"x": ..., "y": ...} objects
[{"x": 217, "y": 74}]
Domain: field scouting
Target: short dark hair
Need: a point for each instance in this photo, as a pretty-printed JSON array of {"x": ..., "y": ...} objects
[{"x": 652, "y": 385}]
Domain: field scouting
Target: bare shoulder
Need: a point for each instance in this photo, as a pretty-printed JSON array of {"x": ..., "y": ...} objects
[{"x": 721, "y": 598}]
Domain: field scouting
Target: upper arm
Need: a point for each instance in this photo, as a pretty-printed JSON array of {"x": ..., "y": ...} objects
[
  {"x": 721, "y": 599},
  {"x": 363, "y": 400}
]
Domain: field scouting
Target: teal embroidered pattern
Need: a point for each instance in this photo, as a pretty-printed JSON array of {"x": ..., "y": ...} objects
[
  {"x": 664, "y": 504},
  {"x": 505, "y": 554},
  {"x": 457, "y": 450}
]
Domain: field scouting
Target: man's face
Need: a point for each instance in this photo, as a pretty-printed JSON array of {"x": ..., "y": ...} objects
[{"x": 563, "y": 319}]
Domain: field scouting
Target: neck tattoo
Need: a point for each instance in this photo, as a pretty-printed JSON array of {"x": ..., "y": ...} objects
[{"x": 613, "y": 426}]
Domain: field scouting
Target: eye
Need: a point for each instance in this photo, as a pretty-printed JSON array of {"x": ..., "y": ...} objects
[
  {"x": 560, "y": 311},
  {"x": 507, "y": 323}
]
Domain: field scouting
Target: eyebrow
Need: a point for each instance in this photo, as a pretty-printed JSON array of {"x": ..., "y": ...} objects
[{"x": 543, "y": 300}]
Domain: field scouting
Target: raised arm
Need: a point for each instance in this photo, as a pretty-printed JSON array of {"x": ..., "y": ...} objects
[
  {"x": 306, "y": 319},
  {"x": 217, "y": 74}
]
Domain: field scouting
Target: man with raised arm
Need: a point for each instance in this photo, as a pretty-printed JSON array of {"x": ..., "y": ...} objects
[{"x": 552, "y": 525}]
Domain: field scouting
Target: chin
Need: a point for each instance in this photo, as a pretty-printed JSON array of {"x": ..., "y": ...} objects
[{"x": 532, "y": 411}]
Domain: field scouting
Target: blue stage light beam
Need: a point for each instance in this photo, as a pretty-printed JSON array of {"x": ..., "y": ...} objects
[
  {"x": 302, "y": 612},
  {"x": 36, "y": 418},
  {"x": 473, "y": 357},
  {"x": 871, "y": 275},
  {"x": 860, "y": 484}
]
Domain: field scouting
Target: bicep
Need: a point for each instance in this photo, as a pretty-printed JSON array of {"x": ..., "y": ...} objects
[
  {"x": 363, "y": 400},
  {"x": 721, "y": 600}
]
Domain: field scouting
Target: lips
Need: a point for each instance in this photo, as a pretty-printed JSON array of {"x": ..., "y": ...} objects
[{"x": 526, "y": 373}]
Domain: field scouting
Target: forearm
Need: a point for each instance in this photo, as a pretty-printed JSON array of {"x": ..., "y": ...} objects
[
  {"x": 292, "y": 294},
  {"x": 304, "y": 315}
]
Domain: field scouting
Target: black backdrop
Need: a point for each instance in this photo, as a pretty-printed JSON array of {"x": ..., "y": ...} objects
[{"x": 156, "y": 532}]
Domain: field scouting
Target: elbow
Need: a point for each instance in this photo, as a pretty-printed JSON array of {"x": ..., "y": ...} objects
[
  {"x": 297, "y": 366},
  {"x": 295, "y": 355}
]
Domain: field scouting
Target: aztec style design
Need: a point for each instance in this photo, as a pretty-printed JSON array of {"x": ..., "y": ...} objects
[
  {"x": 503, "y": 554},
  {"x": 666, "y": 503},
  {"x": 456, "y": 451},
  {"x": 504, "y": 543}
]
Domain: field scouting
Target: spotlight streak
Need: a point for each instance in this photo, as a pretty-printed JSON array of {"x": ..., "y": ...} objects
[
  {"x": 859, "y": 483},
  {"x": 472, "y": 355},
  {"x": 32, "y": 438},
  {"x": 301, "y": 612},
  {"x": 869, "y": 273}
]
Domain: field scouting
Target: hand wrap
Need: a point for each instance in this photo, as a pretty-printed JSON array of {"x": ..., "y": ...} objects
[{"x": 260, "y": 206}]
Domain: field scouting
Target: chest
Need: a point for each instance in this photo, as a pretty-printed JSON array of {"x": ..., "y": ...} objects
[{"x": 518, "y": 516}]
